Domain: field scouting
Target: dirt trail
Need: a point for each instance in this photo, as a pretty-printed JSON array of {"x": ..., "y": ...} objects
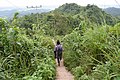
[{"x": 62, "y": 73}]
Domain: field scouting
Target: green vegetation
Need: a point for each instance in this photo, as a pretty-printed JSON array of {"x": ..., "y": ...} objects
[
  {"x": 90, "y": 37},
  {"x": 90, "y": 13},
  {"x": 67, "y": 17},
  {"x": 95, "y": 54},
  {"x": 23, "y": 56},
  {"x": 92, "y": 48}
]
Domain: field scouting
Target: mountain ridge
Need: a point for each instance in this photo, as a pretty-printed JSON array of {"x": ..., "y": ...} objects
[
  {"x": 113, "y": 11},
  {"x": 92, "y": 12},
  {"x": 9, "y": 13}
]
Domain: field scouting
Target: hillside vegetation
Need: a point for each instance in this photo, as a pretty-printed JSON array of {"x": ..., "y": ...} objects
[
  {"x": 25, "y": 54},
  {"x": 94, "y": 55},
  {"x": 67, "y": 17},
  {"x": 90, "y": 13},
  {"x": 90, "y": 38}
]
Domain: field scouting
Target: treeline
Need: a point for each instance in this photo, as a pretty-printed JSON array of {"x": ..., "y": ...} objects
[{"x": 64, "y": 19}]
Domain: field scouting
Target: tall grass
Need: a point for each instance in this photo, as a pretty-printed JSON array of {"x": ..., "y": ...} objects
[
  {"x": 24, "y": 56},
  {"x": 94, "y": 55}
]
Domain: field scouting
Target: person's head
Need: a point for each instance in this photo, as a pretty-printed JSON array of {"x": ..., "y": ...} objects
[{"x": 58, "y": 42}]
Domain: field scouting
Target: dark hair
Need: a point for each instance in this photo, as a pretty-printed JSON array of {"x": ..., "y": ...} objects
[{"x": 58, "y": 42}]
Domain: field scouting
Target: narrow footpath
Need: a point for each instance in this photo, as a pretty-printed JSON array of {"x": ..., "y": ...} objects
[{"x": 62, "y": 73}]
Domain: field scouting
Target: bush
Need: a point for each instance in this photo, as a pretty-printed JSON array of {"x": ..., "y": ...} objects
[
  {"x": 93, "y": 55},
  {"x": 23, "y": 56}
]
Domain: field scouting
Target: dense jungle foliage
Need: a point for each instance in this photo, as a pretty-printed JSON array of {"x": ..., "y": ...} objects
[
  {"x": 90, "y": 37},
  {"x": 94, "y": 55},
  {"x": 25, "y": 54}
]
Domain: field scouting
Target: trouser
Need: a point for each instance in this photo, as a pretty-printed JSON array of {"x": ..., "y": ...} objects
[
  {"x": 59, "y": 57},
  {"x": 55, "y": 54}
]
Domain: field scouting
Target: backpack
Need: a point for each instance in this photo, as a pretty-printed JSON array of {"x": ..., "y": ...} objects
[{"x": 59, "y": 49}]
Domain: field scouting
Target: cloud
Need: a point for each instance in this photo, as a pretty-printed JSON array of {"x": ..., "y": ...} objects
[{"x": 24, "y": 3}]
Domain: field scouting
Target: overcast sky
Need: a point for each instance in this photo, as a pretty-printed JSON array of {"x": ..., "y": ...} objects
[{"x": 56, "y": 3}]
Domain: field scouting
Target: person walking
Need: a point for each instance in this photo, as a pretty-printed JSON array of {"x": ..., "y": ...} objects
[{"x": 58, "y": 52}]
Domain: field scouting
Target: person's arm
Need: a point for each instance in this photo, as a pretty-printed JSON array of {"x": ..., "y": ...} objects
[
  {"x": 55, "y": 52},
  {"x": 55, "y": 49}
]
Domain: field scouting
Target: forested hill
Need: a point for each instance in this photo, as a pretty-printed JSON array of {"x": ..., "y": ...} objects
[
  {"x": 92, "y": 13},
  {"x": 70, "y": 8},
  {"x": 67, "y": 17}
]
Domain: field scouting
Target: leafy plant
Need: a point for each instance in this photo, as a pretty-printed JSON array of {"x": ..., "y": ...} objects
[{"x": 23, "y": 56}]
